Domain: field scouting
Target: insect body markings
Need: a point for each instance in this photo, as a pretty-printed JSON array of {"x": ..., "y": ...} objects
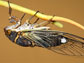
[{"x": 28, "y": 34}]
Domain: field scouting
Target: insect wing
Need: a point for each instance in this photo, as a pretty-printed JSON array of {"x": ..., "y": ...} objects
[
  {"x": 49, "y": 40},
  {"x": 73, "y": 47}
]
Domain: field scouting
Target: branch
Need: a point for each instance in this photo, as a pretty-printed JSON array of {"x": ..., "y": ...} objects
[{"x": 42, "y": 16}]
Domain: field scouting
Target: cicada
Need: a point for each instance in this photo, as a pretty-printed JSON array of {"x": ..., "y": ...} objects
[{"x": 31, "y": 35}]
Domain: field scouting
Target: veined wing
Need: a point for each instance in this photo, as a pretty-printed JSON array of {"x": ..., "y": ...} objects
[{"x": 60, "y": 42}]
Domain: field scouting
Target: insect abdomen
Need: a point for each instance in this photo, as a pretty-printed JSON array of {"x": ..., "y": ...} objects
[
  {"x": 18, "y": 39},
  {"x": 23, "y": 41}
]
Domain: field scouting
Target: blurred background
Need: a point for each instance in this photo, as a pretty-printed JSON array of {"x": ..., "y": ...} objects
[{"x": 12, "y": 53}]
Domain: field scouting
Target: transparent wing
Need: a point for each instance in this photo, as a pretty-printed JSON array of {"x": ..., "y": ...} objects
[
  {"x": 50, "y": 40},
  {"x": 73, "y": 47}
]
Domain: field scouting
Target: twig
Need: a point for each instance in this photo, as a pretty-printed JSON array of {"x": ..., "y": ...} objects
[{"x": 42, "y": 16}]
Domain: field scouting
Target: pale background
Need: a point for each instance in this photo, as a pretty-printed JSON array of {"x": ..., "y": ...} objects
[{"x": 12, "y": 53}]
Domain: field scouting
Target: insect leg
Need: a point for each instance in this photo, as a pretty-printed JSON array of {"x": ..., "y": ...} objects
[
  {"x": 22, "y": 17},
  {"x": 38, "y": 25},
  {"x": 46, "y": 22},
  {"x": 10, "y": 9},
  {"x": 36, "y": 20},
  {"x": 28, "y": 21}
]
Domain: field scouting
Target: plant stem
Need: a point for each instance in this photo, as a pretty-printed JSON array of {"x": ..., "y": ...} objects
[{"x": 42, "y": 16}]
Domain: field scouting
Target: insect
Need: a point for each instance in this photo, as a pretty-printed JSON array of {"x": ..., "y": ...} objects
[{"x": 35, "y": 35}]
